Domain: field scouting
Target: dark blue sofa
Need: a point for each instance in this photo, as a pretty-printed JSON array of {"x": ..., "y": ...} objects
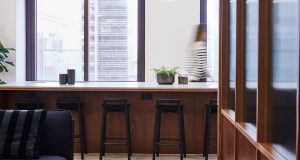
[{"x": 57, "y": 136}]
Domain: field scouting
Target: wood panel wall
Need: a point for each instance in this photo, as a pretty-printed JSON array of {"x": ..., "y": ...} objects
[
  {"x": 239, "y": 140},
  {"x": 228, "y": 141},
  {"x": 244, "y": 149},
  {"x": 141, "y": 118}
]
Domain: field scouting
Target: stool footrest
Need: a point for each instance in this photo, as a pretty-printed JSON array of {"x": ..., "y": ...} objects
[
  {"x": 115, "y": 143},
  {"x": 78, "y": 141},
  {"x": 167, "y": 144},
  {"x": 169, "y": 139},
  {"x": 115, "y": 138}
]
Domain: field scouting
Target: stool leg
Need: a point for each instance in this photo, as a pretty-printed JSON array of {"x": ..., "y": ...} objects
[
  {"x": 183, "y": 133},
  {"x": 155, "y": 134},
  {"x": 180, "y": 134},
  {"x": 82, "y": 118},
  {"x": 128, "y": 135},
  {"x": 103, "y": 134},
  {"x": 205, "y": 132},
  {"x": 81, "y": 135},
  {"x": 158, "y": 133},
  {"x": 208, "y": 131}
]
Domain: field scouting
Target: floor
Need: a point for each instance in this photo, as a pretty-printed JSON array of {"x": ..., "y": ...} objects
[{"x": 95, "y": 156}]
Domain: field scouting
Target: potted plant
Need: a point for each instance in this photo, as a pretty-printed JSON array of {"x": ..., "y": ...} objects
[
  {"x": 165, "y": 75},
  {"x": 4, "y": 63}
]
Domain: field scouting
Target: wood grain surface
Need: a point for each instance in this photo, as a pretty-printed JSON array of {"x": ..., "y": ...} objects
[{"x": 141, "y": 118}]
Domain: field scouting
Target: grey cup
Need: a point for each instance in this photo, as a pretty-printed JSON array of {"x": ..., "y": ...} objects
[
  {"x": 63, "y": 78},
  {"x": 71, "y": 76}
]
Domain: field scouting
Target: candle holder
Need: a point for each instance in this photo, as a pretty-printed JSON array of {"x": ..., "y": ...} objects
[
  {"x": 71, "y": 76},
  {"x": 183, "y": 80},
  {"x": 63, "y": 78}
]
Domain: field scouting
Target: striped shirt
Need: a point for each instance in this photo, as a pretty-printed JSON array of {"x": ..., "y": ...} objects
[{"x": 195, "y": 62}]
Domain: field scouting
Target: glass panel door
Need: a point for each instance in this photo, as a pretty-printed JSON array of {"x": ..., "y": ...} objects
[
  {"x": 251, "y": 60},
  {"x": 232, "y": 54},
  {"x": 282, "y": 111}
]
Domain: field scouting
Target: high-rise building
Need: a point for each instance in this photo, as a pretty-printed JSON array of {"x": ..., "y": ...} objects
[
  {"x": 112, "y": 39},
  {"x": 109, "y": 41}
]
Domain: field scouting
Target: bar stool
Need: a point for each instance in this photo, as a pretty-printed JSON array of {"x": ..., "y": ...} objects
[
  {"x": 28, "y": 103},
  {"x": 211, "y": 108},
  {"x": 115, "y": 105},
  {"x": 168, "y": 106},
  {"x": 75, "y": 104}
]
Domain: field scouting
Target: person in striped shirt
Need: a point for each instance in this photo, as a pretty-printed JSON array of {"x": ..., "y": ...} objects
[{"x": 195, "y": 63}]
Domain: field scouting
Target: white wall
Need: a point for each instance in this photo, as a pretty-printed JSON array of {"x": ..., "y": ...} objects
[
  {"x": 8, "y": 34},
  {"x": 169, "y": 27}
]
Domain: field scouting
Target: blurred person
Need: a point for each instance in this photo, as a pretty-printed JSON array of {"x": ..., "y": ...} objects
[{"x": 195, "y": 63}]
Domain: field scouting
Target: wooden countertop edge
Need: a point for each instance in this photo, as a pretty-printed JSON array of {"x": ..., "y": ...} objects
[{"x": 105, "y": 89}]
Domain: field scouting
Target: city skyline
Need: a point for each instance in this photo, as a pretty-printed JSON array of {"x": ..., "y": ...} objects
[{"x": 112, "y": 40}]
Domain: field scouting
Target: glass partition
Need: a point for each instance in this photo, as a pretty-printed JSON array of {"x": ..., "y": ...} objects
[
  {"x": 251, "y": 61},
  {"x": 282, "y": 110},
  {"x": 232, "y": 54}
]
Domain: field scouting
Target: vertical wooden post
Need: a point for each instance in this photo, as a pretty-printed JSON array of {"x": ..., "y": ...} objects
[
  {"x": 264, "y": 63},
  {"x": 223, "y": 68},
  {"x": 240, "y": 61}
]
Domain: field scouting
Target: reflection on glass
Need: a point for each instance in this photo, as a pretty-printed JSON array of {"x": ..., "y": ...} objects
[
  {"x": 232, "y": 53},
  {"x": 59, "y": 38},
  {"x": 282, "y": 119},
  {"x": 251, "y": 60}
]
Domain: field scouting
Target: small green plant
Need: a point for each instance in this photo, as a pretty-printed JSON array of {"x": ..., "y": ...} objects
[
  {"x": 4, "y": 63},
  {"x": 165, "y": 71}
]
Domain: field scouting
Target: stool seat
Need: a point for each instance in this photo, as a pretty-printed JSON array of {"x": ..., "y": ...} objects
[
  {"x": 115, "y": 105},
  {"x": 69, "y": 103},
  {"x": 75, "y": 104},
  {"x": 28, "y": 103},
  {"x": 168, "y": 106},
  {"x": 70, "y": 106},
  {"x": 115, "y": 108}
]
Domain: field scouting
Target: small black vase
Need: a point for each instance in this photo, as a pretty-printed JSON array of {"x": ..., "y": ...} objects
[
  {"x": 71, "y": 76},
  {"x": 164, "y": 79},
  {"x": 63, "y": 78}
]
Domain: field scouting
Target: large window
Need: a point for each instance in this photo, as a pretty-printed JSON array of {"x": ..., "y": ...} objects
[
  {"x": 59, "y": 38},
  {"x": 102, "y": 40}
]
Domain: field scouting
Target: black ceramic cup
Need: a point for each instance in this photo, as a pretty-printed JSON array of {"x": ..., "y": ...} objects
[
  {"x": 63, "y": 78},
  {"x": 71, "y": 76}
]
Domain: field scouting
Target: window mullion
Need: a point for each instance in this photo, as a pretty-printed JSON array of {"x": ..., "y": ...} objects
[{"x": 86, "y": 40}]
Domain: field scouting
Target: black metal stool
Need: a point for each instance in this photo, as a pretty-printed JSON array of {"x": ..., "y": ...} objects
[
  {"x": 211, "y": 108},
  {"x": 75, "y": 104},
  {"x": 28, "y": 103},
  {"x": 168, "y": 106},
  {"x": 115, "y": 105}
]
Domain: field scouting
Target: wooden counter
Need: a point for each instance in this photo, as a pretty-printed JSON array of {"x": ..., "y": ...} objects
[
  {"x": 111, "y": 86},
  {"x": 141, "y": 96}
]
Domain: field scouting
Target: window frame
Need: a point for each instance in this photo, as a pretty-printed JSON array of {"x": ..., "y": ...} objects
[
  {"x": 31, "y": 28},
  {"x": 203, "y": 11}
]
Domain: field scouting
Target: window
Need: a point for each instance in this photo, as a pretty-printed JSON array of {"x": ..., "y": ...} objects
[
  {"x": 212, "y": 38},
  {"x": 102, "y": 41},
  {"x": 59, "y": 37}
]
